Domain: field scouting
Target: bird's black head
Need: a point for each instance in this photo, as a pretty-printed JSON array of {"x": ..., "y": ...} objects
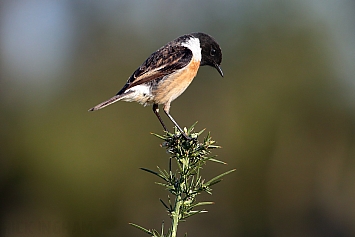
[{"x": 210, "y": 51}]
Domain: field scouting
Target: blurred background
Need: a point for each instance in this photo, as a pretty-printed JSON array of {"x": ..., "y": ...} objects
[{"x": 283, "y": 113}]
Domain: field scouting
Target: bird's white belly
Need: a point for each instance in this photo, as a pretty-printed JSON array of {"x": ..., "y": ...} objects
[{"x": 141, "y": 94}]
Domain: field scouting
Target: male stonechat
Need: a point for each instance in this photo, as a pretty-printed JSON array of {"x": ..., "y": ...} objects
[{"x": 167, "y": 73}]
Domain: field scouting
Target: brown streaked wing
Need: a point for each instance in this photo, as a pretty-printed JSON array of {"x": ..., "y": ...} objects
[{"x": 163, "y": 62}]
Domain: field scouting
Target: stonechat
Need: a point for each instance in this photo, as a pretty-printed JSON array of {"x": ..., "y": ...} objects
[{"x": 167, "y": 72}]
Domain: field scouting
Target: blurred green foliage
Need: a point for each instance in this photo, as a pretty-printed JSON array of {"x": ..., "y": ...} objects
[{"x": 282, "y": 112}]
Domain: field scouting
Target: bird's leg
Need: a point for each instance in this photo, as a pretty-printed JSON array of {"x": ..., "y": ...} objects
[
  {"x": 156, "y": 112},
  {"x": 166, "y": 110}
]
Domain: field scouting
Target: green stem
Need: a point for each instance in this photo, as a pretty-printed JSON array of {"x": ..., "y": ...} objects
[{"x": 176, "y": 216}]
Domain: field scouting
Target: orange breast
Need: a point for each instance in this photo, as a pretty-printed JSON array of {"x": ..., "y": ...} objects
[{"x": 175, "y": 84}]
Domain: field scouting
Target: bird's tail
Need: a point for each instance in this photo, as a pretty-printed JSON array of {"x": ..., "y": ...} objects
[
  {"x": 106, "y": 103},
  {"x": 110, "y": 101}
]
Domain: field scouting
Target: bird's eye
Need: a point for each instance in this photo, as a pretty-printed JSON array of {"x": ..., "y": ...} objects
[{"x": 213, "y": 52}]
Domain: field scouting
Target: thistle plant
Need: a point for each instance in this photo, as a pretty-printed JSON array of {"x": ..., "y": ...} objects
[{"x": 185, "y": 181}]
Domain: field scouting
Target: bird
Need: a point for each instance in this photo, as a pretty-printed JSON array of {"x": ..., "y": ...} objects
[{"x": 167, "y": 73}]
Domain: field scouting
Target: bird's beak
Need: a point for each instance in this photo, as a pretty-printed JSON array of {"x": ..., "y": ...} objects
[{"x": 219, "y": 69}]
